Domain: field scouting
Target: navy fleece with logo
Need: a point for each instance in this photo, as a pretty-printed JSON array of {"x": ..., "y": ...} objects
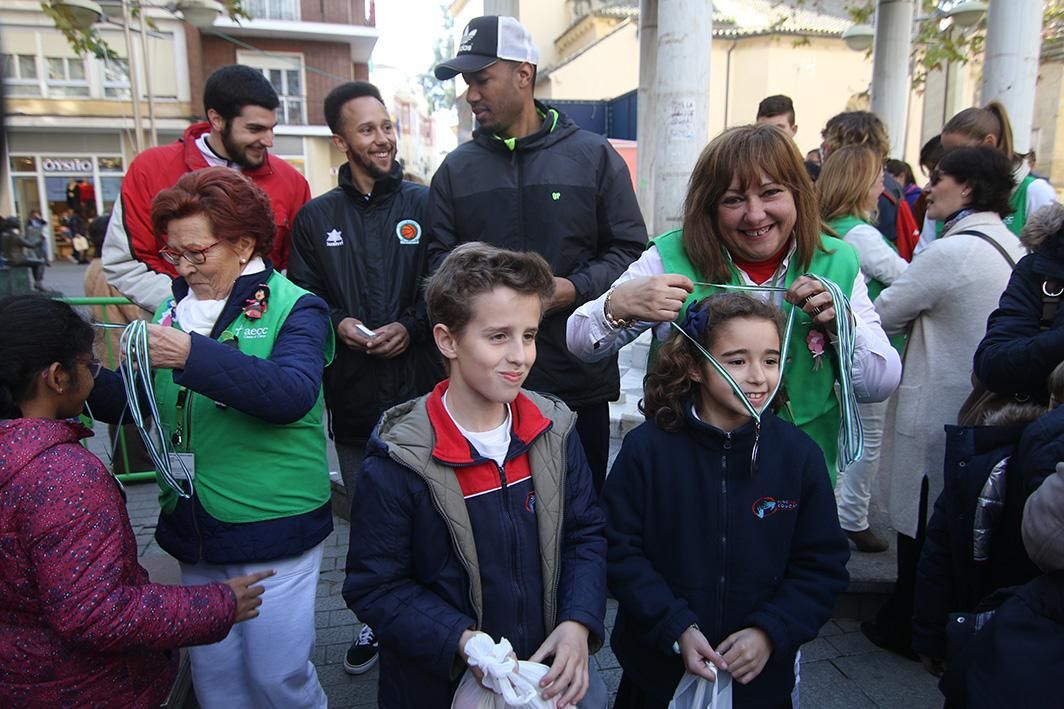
[{"x": 695, "y": 538}]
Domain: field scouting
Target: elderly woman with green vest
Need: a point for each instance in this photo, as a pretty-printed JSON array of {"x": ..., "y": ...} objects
[
  {"x": 750, "y": 219},
  {"x": 238, "y": 355},
  {"x": 848, "y": 190}
]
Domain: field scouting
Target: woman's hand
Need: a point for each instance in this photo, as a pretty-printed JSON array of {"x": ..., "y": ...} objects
[
  {"x": 698, "y": 654},
  {"x": 810, "y": 295},
  {"x": 568, "y": 645},
  {"x": 652, "y": 298},
  {"x": 248, "y": 595},
  {"x": 746, "y": 652},
  {"x": 168, "y": 347}
]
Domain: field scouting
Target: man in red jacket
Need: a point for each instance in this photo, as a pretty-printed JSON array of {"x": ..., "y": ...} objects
[{"x": 240, "y": 105}]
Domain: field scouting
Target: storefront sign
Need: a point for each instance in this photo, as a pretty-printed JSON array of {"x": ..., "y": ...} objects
[{"x": 66, "y": 165}]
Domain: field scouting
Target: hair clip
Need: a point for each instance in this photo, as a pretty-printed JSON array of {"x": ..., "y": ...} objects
[{"x": 696, "y": 321}]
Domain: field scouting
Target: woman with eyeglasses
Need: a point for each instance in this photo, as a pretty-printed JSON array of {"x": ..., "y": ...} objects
[
  {"x": 945, "y": 296},
  {"x": 238, "y": 355},
  {"x": 80, "y": 623}
]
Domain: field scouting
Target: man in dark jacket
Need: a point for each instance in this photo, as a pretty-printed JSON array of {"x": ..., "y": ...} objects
[
  {"x": 360, "y": 247},
  {"x": 531, "y": 180}
]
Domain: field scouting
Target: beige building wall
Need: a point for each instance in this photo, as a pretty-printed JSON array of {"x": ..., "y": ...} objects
[
  {"x": 1049, "y": 123},
  {"x": 546, "y": 20},
  {"x": 587, "y": 78},
  {"x": 821, "y": 76},
  {"x": 323, "y": 161}
]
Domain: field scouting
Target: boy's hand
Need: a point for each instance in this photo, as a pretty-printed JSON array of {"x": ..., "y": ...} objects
[
  {"x": 697, "y": 653},
  {"x": 568, "y": 646},
  {"x": 466, "y": 637},
  {"x": 746, "y": 652}
]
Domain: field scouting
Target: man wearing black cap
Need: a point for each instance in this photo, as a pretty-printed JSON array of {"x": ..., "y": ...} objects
[{"x": 531, "y": 180}]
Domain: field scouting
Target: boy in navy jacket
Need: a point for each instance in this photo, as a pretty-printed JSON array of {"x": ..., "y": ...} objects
[{"x": 476, "y": 511}]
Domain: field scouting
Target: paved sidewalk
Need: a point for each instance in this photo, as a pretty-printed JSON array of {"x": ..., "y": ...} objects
[{"x": 840, "y": 669}]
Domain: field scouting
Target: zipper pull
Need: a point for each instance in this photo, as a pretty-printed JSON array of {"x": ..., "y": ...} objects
[{"x": 727, "y": 441}]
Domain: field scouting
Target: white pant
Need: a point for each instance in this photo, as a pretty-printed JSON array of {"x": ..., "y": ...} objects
[
  {"x": 265, "y": 661},
  {"x": 856, "y": 490}
]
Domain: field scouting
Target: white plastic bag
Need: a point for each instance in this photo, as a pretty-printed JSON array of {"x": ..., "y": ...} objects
[
  {"x": 508, "y": 683},
  {"x": 694, "y": 692}
]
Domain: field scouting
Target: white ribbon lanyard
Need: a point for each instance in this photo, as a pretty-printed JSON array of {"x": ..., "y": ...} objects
[{"x": 851, "y": 433}]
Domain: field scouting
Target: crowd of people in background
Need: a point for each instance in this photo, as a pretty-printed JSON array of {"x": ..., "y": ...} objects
[{"x": 827, "y": 334}]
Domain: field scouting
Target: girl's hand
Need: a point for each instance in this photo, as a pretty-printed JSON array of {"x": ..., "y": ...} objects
[
  {"x": 652, "y": 298},
  {"x": 168, "y": 347},
  {"x": 248, "y": 595},
  {"x": 568, "y": 646},
  {"x": 746, "y": 652},
  {"x": 810, "y": 295},
  {"x": 697, "y": 653}
]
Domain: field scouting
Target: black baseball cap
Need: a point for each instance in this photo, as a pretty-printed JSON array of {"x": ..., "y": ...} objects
[{"x": 486, "y": 40}]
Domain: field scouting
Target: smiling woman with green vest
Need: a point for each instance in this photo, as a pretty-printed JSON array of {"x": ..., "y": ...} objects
[
  {"x": 238, "y": 355},
  {"x": 990, "y": 126},
  {"x": 750, "y": 219},
  {"x": 848, "y": 190}
]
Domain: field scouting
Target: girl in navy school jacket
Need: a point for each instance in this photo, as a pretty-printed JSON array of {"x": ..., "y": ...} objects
[{"x": 724, "y": 542}]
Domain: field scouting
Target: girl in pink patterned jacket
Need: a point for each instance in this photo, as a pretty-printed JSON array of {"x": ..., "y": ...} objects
[{"x": 80, "y": 623}]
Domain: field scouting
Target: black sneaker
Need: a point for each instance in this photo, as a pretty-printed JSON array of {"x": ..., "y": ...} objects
[{"x": 362, "y": 654}]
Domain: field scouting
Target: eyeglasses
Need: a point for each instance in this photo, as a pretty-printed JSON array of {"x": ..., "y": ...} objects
[
  {"x": 95, "y": 367},
  {"x": 936, "y": 176},
  {"x": 196, "y": 257}
]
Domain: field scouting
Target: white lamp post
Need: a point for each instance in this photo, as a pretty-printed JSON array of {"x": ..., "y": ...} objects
[
  {"x": 81, "y": 14},
  {"x": 200, "y": 13},
  {"x": 859, "y": 37},
  {"x": 967, "y": 14}
]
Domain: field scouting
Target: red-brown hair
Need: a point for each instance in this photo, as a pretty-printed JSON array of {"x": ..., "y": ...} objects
[{"x": 234, "y": 205}]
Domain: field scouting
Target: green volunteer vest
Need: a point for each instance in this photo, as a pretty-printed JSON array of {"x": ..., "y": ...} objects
[
  {"x": 842, "y": 227},
  {"x": 1018, "y": 202},
  {"x": 812, "y": 404},
  {"x": 248, "y": 470}
]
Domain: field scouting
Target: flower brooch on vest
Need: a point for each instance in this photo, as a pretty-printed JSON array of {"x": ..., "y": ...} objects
[
  {"x": 255, "y": 307},
  {"x": 815, "y": 341}
]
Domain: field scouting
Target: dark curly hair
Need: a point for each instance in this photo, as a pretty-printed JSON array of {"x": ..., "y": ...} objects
[
  {"x": 668, "y": 388},
  {"x": 988, "y": 174}
]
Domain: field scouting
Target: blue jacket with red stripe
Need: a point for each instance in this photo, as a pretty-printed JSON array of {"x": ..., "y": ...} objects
[{"x": 444, "y": 540}]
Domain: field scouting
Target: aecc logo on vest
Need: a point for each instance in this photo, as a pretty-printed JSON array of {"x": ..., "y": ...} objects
[{"x": 253, "y": 333}]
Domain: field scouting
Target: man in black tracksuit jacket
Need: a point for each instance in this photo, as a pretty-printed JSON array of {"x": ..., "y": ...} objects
[
  {"x": 531, "y": 180},
  {"x": 361, "y": 247}
]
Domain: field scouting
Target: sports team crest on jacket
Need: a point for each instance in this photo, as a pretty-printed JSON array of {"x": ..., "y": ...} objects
[
  {"x": 334, "y": 238},
  {"x": 408, "y": 231}
]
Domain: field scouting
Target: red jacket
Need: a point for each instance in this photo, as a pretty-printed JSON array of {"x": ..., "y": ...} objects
[
  {"x": 80, "y": 624},
  {"x": 131, "y": 251}
]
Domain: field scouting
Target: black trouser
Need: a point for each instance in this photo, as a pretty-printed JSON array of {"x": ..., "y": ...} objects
[
  {"x": 894, "y": 620},
  {"x": 593, "y": 425}
]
